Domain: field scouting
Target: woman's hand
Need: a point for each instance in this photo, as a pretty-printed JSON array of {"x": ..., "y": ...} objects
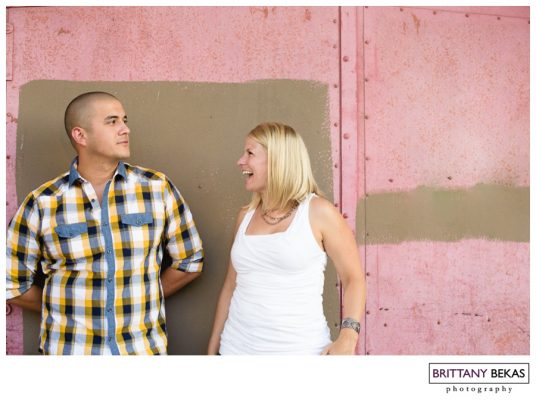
[{"x": 344, "y": 345}]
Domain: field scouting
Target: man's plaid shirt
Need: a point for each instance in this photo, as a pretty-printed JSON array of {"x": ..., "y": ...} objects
[{"x": 102, "y": 292}]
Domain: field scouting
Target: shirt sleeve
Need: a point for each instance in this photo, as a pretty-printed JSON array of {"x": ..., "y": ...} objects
[
  {"x": 182, "y": 240},
  {"x": 22, "y": 251}
]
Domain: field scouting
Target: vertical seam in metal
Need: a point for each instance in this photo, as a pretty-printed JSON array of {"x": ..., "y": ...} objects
[
  {"x": 364, "y": 161},
  {"x": 340, "y": 146}
]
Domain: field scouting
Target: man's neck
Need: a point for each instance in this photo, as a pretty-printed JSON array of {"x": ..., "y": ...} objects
[{"x": 97, "y": 173}]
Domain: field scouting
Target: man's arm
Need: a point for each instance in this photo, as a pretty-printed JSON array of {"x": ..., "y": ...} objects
[
  {"x": 173, "y": 280},
  {"x": 22, "y": 257},
  {"x": 183, "y": 244}
]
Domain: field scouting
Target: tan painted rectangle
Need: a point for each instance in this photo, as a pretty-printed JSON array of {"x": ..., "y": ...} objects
[{"x": 193, "y": 132}]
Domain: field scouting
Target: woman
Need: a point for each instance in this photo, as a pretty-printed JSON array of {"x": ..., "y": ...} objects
[{"x": 271, "y": 300}]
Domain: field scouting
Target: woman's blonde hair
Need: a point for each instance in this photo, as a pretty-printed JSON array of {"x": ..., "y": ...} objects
[{"x": 290, "y": 177}]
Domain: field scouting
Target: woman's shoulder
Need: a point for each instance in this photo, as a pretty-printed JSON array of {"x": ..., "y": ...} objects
[
  {"x": 321, "y": 204},
  {"x": 322, "y": 210},
  {"x": 241, "y": 214}
]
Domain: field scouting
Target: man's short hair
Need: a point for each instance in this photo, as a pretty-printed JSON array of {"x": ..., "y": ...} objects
[{"x": 77, "y": 111}]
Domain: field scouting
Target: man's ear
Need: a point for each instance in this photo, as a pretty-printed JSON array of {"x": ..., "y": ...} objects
[{"x": 79, "y": 136}]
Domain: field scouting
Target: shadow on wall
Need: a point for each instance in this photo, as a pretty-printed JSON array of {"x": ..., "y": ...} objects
[{"x": 194, "y": 133}]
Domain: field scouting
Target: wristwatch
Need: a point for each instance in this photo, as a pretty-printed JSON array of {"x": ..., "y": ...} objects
[{"x": 351, "y": 323}]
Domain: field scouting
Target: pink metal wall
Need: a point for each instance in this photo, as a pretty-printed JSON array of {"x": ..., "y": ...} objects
[
  {"x": 446, "y": 106},
  {"x": 404, "y": 84}
]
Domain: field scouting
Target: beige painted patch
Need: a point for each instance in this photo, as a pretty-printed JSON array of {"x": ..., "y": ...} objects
[
  {"x": 495, "y": 212},
  {"x": 193, "y": 132}
]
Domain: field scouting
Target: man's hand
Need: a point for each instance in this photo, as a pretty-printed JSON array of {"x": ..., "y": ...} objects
[{"x": 32, "y": 299}]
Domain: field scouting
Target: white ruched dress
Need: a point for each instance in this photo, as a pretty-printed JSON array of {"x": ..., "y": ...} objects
[{"x": 276, "y": 306}]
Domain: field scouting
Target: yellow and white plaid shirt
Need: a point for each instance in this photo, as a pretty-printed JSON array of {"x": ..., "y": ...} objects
[{"x": 102, "y": 292}]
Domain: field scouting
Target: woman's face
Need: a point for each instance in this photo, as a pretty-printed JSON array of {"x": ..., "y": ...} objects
[{"x": 254, "y": 166}]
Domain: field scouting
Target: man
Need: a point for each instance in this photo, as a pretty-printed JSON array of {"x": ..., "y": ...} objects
[{"x": 99, "y": 232}]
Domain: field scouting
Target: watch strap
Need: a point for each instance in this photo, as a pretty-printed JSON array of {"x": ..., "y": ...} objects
[{"x": 351, "y": 323}]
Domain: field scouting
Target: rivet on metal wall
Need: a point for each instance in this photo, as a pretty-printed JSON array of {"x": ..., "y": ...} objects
[
  {"x": 9, "y": 28},
  {"x": 401, "y": 9},
  {"x": 334, "y": 46},
  {"x": 335, "y": 124},
  {"x": 8, "y": 157},
  {"x": 366, "y": 42},
  {"x": 366, "y": 79},
  {"x": 439, "y": 322},
  {"x": 346, "y": 136},
  {"x": 499, "y": 18},
  {"x": 345, "y": 58},
  {"x": 449, "y": 178},
  {"x": 336, "y": 204},
  {"x": 434, "y": 12},
  {"x": 336, "y": 165},
  {"x": 366, "y": 116},
  {"x": 334, "y": 21},
  {"x": 390, "y": 180},
  {"x": 368, "y": 273},
  {"x": 335, "y": 85},
  {"x": 466, "y": 15},
  {"x": 384, "y": 324},
  {"x": 345, "y": 216},
  {"x": 336, "y": 325},
  {"x": 368, "y": 312},
  {"x": 368, "y": 353},
  {"x": 368, "y": 234},
  {"x": 9, "y": 309},
  {"x": 367, "y": 158}
]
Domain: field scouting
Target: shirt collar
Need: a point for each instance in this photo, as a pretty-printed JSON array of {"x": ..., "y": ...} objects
[{"x": 75, "y": 176}]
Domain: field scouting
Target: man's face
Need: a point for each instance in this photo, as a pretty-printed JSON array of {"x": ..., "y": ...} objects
[{"x": 107, "y": 131}]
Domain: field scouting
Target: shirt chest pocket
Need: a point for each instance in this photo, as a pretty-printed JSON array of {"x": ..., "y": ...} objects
[
  {"x": 78, "y": 244},
  {"x": 137, "y": 231}
]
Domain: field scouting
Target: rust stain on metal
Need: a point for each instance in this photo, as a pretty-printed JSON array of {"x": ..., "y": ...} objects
[
  {"x": 416, "y": 22},
  {"x": 261, "y": 10},
  {"x": 307, "y": 15},
  {"x": 63, "y": 31},
  {"x": 9, "y": 52},
  {"x": 11, "y": 118}
]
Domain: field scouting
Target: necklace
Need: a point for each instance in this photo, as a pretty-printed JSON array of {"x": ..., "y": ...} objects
[{"x": 275, "y": 220}]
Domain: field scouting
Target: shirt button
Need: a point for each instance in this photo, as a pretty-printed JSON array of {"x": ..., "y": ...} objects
[
  {"x": 109, "y": 280},
  {"x": 109, "y": 338},
  {"x": 109, "y": 309},
  {"x": 108, "y": 251}
]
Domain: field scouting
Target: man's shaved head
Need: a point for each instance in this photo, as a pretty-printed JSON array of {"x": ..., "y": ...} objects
[{"x": 80, "y": 109}]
